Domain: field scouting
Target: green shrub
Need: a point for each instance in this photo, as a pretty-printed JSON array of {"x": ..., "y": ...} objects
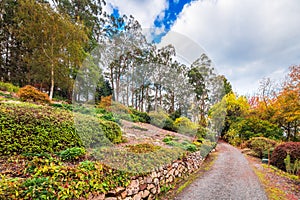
[
  {"x": 127, "y": 117},
  {"x": 8, "y": 87},
  {"x": 244, "y": 129},
  {"x": 112, "y": 131},
  {"x": 30, "y": 93},
  {"x": 168, "y": 138},
  {"x": 169, "y": 125},
  {"x": 118, "y": 108},
  {"x": 158, "y": 118},
  {"x": 281, "y": 151},
  {"x": 110, "y": 117},
  {"x": 261, "y": 145},
  {"x": 201, "y": 132},
  {"x": 29, "y": 128},
  {"x": 186, "y": 145},
  {"x": 96, "y": 133},
  {"x": 87, "y": 165},
  {"x": 140, "y": 116},
  {"x": 191, "y": 147},
  {"x": 186, "y": 126},
  {"x": 72, "y": 154},
  {"x": 68, "y": 107}
]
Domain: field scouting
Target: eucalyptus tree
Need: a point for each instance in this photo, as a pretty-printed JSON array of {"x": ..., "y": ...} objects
[
  {"x": 124, "y": 44},
  {"x": 207, "y": 86},
  {"x": 162, "y": 60},
  {"x": 54, "y": 43}
]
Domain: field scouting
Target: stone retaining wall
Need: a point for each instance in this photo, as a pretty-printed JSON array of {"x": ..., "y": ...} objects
[{"x": 149, "y": 186}]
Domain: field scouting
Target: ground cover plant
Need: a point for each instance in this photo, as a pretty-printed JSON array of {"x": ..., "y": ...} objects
[{"x": 47, "y": 177}]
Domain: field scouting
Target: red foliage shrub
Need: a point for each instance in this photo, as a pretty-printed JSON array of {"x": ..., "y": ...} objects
[
  {"x": 281, "y": 151},
  {"x": 30, "y": 93}
]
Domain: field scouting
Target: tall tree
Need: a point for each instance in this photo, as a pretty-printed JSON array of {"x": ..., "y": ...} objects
[
  {"x": 88, "y": 12},
  {"x": 200, "y": 77},
  {"x": 12, "y": 68},
  {"x": 286, "y": 107},
  {"x": 55, "y": 43}
]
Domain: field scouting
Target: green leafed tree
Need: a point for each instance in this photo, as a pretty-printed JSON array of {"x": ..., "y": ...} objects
[{"x": 55, "y": 43}]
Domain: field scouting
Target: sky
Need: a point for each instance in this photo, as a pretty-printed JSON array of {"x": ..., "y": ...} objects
[{"x": 247, "y": 40}]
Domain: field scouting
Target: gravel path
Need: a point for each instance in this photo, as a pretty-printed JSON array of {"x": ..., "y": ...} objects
[{"x": 231, "y": 177}]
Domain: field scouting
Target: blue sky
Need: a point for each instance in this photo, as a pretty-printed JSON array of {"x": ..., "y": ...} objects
[
  {"x": 162, "y": 22},
  {"x": 247, "y": 40},
  {"x": 169, "y": 17}
]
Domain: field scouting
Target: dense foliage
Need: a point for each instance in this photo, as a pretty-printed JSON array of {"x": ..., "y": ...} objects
[
  {"x": 186, "y": 126},
  {"x": 261, "y": 146},
  {"x": 273, "y": 114},
  {"x": 8, "y": 87},
  {"x": 162, "y": 120},
  {"x": 28, "y": 128},
  {"x": 49, "y": 178},
  {"x": 281, "y": 152},
  {"x": 30, "y": 93}
]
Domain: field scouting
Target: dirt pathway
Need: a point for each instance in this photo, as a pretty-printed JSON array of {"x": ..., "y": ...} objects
[{"x": 230, "y": 178}]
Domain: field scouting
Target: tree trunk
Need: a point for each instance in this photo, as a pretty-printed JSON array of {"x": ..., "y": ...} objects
[
  {"x": 112, "y": 83},
  {"x": 52, "y": 82},
  {"x": 160, "y": 97},
  {"x": 172, "y": 107},
  {"x": 288, "y": 131},
  {"x": 155, "y": 98},
  {"x": 142, "y": 100}
]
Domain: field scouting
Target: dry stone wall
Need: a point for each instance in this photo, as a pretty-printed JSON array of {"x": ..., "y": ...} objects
[{"x": 149, "y": 186}]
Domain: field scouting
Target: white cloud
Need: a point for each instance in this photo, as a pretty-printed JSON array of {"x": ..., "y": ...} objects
[
  {"x": 144, "y": 11},
  {"x": 247, "y": 39}
]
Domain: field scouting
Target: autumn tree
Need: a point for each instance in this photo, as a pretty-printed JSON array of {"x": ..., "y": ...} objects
[{"x": 286, "y": 107}]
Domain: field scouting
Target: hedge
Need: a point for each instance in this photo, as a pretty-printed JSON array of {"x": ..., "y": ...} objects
[{"x": 29, "y": 128}]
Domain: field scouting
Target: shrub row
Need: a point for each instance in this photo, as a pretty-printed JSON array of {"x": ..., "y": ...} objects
[
  {"x": 29, "y": 128},
  {"x": 181, "y": 125}
]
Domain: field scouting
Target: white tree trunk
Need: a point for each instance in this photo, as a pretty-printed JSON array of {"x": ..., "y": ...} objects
[{"x": 52, "y": 83}]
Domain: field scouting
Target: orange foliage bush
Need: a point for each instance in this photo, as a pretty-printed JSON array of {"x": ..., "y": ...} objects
[
  {"x": 105, "y": 102},
  {"x": 30, "y": 93}
]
